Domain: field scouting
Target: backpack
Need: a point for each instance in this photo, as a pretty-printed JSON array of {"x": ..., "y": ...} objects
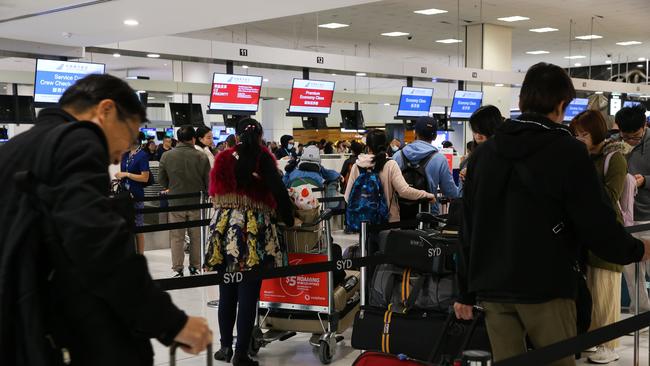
[
  {"x": 366, "y": 201},
  {"x": 416, "y": 176},
  {"x": 626, "y": 202},
  {"x": 301, "y": 191}
]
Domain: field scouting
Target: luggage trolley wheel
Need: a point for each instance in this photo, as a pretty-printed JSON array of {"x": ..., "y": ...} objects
[
  {"x": 257, "y": 340},
  {"x": 327, "y": 348}
]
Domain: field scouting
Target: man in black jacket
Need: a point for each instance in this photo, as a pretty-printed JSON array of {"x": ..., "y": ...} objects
[
  {"x": 97, "y": 304},
  {"x": 532, "y": 204}
]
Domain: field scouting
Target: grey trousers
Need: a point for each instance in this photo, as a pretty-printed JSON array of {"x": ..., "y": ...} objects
[{"x": 177, "y": 238}]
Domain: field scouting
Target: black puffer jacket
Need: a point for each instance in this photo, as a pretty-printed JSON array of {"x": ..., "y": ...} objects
[
  {"x": 101, "y": 292},
  {"x": 510, "y": 248}
]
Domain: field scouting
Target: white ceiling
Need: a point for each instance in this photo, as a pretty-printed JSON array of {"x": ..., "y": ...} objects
[
  {"x": 623, "y": 20},
  {"x": 103, "y": 23}
]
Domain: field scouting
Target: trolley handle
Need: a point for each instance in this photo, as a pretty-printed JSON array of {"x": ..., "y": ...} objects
[{"x": 174, "y": 347}]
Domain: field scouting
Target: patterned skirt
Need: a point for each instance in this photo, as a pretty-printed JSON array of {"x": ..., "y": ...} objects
[{"x": 241, "y": 239}]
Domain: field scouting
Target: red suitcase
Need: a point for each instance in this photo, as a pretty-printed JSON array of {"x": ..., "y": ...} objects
[{"x": 384, "y": 359}]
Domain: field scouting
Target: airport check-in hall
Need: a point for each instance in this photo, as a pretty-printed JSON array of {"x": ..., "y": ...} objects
[{"x": 348, "y": 182}]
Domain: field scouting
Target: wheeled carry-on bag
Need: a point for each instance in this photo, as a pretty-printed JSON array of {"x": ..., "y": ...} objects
[
  {"x": 174, "y": 347},
  {"x": 430, "y": 336}
]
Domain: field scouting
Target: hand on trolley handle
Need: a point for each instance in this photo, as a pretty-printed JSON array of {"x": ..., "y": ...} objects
[{"x": 195, "y": 335}]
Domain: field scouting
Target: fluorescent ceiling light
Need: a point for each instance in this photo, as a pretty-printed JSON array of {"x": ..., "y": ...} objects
[
  {"x": 395, "y": 34},
  {"x": 141, "y": 91},
  {"x": 244, "y": 66},
  {"x": 266, "y": 80},
  {"x": 388, "y": 104},
  {"x": 589, "y": 37},
  {"x": 449, "y": 40},
  {"x": 574, "y": 57},
  {"x": 639, "y": 65},
  {"x": 116, "y": 55},
  {"x": 599, "y": 93},
  {"x": 608, "y": 61},
  {"x": 544, "y": 30},
  {"x": 628, "y": 43},
  {"x": 498, "y": 84},
  {"x": 153, "y": 55},
  {"x": 333, "y": 74},
  {"x": 538, "y": 52},
  {"x": 609, "y": 68},
  {"x": 515, "y": 18},
  {"x": 641, "y": 58},
  {"x": 131, "y": 22},
  {"x": 577, "y": 64},
  {"x": 361, "y": 74},
  {"x": 280, "y": 98},
  {"x": 431, "y": 11},
  {"x": 333, "y": 25}
]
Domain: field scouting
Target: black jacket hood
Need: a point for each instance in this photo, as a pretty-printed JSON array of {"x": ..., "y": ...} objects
[{"x": 517, "y": 139}]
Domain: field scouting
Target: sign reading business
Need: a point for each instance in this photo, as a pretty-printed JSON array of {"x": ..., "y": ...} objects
[
  {"x": 311, "y": 96},
  {"x": 53, "y": 78},
  {"x": 414, "y": 102},
  {"x": 465, "y": 103},
  {"x": 237, "y": 93}
]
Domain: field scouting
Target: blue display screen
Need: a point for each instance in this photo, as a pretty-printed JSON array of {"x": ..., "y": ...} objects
[
  {"x": 169, "y": 132},
  {"x": 414, "y": 102},
  {"x": 630, "y": 103},
  {"x": 576, "y": 107},
  {"x": 465, "y": 103},
  {"x": 149, "y": 133},
  {"x": 54, "y": 77}
]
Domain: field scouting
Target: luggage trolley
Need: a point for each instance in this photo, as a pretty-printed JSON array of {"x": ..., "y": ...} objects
[{"x": 309, "y": 303}]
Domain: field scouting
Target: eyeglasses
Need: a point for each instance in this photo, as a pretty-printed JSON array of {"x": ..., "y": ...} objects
[{"x": 632, "y": 138}]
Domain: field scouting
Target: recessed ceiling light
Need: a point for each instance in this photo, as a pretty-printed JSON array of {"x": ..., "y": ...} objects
[
  {"x": 116, "y": 55},
  {"x": 599, "y": 93},
  {"x": 538, "y": 52},
  {"x": 280, "y": 98},
  {"x": 153, "y": 55},
  {"x": 333, "y": 25},
  {"x": 498, "y": 84},
  {"x": 628, "y": 43},
  {"x": 589, "y": 37},
  {"x": 131, "y": 22},
  {"x": 244, "y": 67},
  {"x": 449, "y": 40},
  {"x": 639, "y": 66},
  {"x": 361, "y": 74},
  {"x": 641, "y": 58},
  {"x": 431, "y": 11},
  {"x": 395, "y": 34},
  {"x": 141, "y": 91},
  {"x": 515, "y": 18},
  {"x": 577, "y": 64},
  {"x": 574, "y": 57},
  {"x": 544, "y": 30},
  {"x": 333, "y": 74},
  {"x": 388, "y": 104},
  {"x": 608, "y": 61},
  {"x": 609, "y": 68}
]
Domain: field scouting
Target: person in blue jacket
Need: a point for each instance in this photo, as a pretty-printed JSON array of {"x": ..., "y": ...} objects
[
  {"x": 309, "y": 166},
  {"x": 437, "y": 168}
]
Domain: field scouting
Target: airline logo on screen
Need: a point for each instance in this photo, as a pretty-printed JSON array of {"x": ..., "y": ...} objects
[
  {"x": 53, "y": 78},
  {"x": 308, "y": 96},
  {"x": 235, "y": 92}
]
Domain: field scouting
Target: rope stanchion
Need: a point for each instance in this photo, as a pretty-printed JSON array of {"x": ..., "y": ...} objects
[
  {"x": 168, "y": 197},
  {"x": 150, "y": 210},
  {"x": 173, "y": 226}
]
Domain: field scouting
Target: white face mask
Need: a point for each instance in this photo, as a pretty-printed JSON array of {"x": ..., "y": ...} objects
[
  {"x": 289, "y": 146},
  {"x": 395, "y": 148}
]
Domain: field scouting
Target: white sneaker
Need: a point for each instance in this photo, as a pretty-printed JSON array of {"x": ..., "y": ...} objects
[{"x": 603, "y": 355}]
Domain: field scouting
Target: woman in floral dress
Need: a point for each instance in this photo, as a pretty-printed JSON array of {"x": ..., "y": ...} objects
[{"x": 249, "y": 198}]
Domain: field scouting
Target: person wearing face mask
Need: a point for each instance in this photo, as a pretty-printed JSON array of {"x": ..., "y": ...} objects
[
  {"x": 394, "y": 147},
  {"x": 72, "y": 246},
  {"x": 286, "y": 149}
]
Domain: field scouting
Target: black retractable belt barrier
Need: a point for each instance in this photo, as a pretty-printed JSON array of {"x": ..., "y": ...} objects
[
  {"x": 213, "y": 279},
  {"x": 638, "y": 228},
  {"x": 331, "y": 199},
  {"x": 407, "y": 224},
  {"x": 150, "y": 210},
  {"x": 168, "y": 197},
  {"x": 173, "y": 226}
]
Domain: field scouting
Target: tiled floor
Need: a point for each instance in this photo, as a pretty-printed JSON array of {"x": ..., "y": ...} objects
[{"x": 297, "y": 350}]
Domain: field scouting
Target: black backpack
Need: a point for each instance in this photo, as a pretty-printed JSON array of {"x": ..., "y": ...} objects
[{"x": 416, "y": 176}]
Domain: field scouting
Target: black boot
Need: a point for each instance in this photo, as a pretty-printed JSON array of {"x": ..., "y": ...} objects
[
  {"x": 242, "y": 359},
  {"x": 224, "y": 354}
]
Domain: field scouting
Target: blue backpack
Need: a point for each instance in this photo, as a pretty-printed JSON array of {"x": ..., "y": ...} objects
[{"x": 366, "y": 202}]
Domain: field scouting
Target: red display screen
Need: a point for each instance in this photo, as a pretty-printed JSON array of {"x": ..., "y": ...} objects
[
  {"x": 311, "y": 96},
  {"x": 235, "y": 92}
]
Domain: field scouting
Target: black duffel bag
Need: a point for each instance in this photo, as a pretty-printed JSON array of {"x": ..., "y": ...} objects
[{"x": 420, "y": 250}]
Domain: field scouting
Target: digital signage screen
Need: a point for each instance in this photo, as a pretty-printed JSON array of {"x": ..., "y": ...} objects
[
  {"x": 221, "y": 133},
  {"x": 235, "y": 93},
  {"x": 630, "y": 103},
  {"x": 414, "y": 102},
  {"x": 465, "y": 103},
  {"x": 149, "y": 133},
  {"x": 17, "y": 109},
  {"x": 311, "y": 97},
  {"x": 54, "y": 77},
  {"x": 577, "y": 106}
]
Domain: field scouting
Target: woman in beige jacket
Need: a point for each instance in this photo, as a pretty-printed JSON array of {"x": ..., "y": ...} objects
[{"x": 390, "y": 175}]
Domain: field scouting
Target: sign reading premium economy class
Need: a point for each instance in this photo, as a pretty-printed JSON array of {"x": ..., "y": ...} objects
[
  {"x": 414, "y": 102},
  {"x": 311, "y": 96},
  {"x": 53, "y": 78},
  {"x": 237, "y": 93},
  {"x": 465, "y": 103}
]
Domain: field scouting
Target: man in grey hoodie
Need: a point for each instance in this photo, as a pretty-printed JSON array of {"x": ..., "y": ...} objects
[
  {"x": 436, "y": 168},
  {"x": 634, "y": 131}
]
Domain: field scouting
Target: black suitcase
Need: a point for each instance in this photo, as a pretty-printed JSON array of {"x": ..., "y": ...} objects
[{"x": 418, "y": 335}]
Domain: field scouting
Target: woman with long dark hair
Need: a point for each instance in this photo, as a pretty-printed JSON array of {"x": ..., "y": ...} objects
[
  {"x": 248, "y": 196},
  {"x": 389, "y": 172},
  {"x": 205, "y": 142}
]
